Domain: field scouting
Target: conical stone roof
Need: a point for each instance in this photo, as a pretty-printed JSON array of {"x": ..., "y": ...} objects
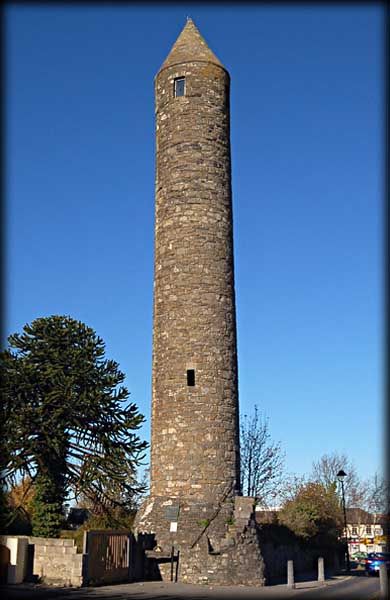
[{"x": 190, "y": 47}]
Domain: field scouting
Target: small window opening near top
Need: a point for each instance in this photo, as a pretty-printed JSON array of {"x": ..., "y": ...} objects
[
  {"x": 179, "y": 86},
  {"x": 190, "y": 377}
]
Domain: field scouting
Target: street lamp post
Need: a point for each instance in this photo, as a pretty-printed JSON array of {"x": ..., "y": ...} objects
[{"x": 340, "y": 476}]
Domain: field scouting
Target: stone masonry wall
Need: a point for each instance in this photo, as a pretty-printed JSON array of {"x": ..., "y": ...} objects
[
  {"x": 195, "y": 447},
  {"x": 218, "y": 543},
  {"x": 195, "y": 462},
  {"x": 56, "y": 560}
]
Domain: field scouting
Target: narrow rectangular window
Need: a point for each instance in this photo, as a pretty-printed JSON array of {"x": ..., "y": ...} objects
[
  {"x": 191, "y": 377},
  {"x": 179, "y": 86}
]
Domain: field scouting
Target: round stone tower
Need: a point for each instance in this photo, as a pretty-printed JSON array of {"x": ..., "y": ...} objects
[
  {"x": 194, "y": 497},
  {"x": 195, "y": 445}
]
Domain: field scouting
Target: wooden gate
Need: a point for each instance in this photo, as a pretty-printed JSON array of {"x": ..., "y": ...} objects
[{"x": 106, "y": 557}]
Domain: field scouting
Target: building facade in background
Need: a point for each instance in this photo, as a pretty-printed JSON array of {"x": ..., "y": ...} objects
[{"x": 366, "y": 532}]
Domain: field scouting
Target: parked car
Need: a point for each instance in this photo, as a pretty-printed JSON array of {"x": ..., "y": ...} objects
[
  {"x": 374, "y": 560},
  {"x": 358, "y": 559},
  {"x": 359, "y": 556}
]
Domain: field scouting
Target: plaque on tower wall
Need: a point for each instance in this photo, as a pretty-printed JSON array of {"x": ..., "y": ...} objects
[{"x": 172, "y": 512}]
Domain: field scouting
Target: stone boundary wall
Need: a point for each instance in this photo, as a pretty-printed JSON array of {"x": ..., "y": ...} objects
[
  {"x": 57, "y": 561},
  {"x": 277, "y": 550}
]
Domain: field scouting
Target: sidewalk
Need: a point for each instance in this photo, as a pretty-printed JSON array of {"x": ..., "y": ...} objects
[{"x": 163, "y": 591}]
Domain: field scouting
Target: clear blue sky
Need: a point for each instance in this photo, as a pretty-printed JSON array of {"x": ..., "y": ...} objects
[{"x": 307, "y": 150}]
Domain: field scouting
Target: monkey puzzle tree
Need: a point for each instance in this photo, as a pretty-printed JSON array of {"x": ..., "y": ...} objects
[
  {"x": 4, "y": 510},
  {"x": 68, "y": 421}
]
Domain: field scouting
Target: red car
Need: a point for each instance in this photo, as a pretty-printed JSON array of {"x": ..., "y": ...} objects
[{"x": 374, "y": 560}]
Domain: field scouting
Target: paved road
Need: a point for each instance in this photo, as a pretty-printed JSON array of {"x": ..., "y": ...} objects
[{"x": 351, "y": 588}]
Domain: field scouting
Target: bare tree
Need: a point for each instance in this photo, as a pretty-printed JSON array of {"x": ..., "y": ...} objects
[
  {"x": 262, "y": 460},
  {"x": 378, "y": 495},
  {"x": 293, "y": 484},
  {"x": 325, "y": 471}
]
